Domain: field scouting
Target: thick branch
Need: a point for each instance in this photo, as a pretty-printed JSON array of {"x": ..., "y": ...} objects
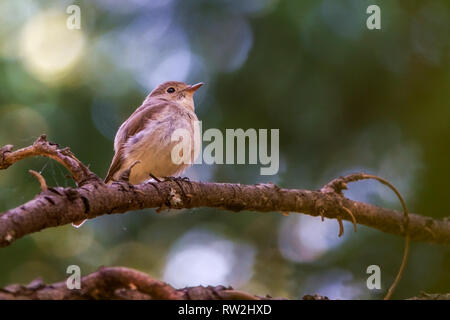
[
  {"x": 59, "y": 206},
  {"x": 119, "y": 283}
]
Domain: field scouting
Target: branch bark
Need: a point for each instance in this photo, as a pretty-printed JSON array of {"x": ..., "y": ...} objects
[
  {"x": 58, "y": 206},
  {"x": 119, "y": 283}
]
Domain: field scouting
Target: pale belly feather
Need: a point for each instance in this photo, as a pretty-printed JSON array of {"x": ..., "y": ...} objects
[{"x": 153, "y": 148}]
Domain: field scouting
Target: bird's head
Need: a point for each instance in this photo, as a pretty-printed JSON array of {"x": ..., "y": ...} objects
[{"x": 176, "y": 91}]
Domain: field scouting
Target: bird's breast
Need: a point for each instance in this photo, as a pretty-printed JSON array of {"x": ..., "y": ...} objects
[{"x": 153, "y": 146}]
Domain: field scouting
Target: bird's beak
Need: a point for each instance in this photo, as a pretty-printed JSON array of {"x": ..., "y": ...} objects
[{"x": 194, "y": 87}]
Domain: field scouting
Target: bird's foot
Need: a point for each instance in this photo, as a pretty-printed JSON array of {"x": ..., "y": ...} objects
[
  {"x": 125, "y": 176},
  {"x": 184, "y": 179},
  {"x": 154, "y": 177},
  {"x": 179, "y": 181}
]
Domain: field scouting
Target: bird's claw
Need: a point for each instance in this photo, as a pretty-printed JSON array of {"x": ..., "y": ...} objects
[
  {"x": 178, "y": 181},
  {"x": 184, "y": 179},
  {"x": 125, "y": 176},
  {"x": 154, "y": 177}
]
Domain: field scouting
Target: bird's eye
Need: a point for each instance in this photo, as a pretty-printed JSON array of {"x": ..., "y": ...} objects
[{"x": 171, "y": 90}]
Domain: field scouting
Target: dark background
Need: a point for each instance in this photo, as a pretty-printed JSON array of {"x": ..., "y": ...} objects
[{"x": 345, "y": 99}]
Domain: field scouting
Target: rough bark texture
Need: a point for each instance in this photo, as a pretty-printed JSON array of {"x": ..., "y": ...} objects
[
  {"x": 56, "y": 206},
  {"x": 59, "y": 206},
  {"x": 119, "y": 283}
]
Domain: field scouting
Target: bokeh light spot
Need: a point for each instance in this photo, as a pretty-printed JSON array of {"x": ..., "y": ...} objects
[{"x": 48, "y": 48}]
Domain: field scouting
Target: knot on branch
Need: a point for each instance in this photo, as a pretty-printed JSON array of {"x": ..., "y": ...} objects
[
  {"x": 339, "y": 184},
  {"x": 4, "y": 164}
]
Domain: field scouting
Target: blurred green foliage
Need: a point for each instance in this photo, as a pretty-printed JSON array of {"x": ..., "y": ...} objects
[{"x": 345, "y": 99}]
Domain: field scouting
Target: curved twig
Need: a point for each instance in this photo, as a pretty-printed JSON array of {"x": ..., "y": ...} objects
[
  {"x": 339, "y": 184},
  {"x": 44, "y": 148},
  {"x": 39, "y": 178}
]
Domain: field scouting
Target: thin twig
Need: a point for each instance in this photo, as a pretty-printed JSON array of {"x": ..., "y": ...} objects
[
  {"x": 40, "y": 179},
  {"x": 44, "y": 148},
  {"x": 341, "y": 226},
  {"x": 352, "y": 216},
  {"x": 339, "y": 184}
]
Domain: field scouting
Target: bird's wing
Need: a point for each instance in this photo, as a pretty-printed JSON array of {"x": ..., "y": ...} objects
[
  {"x": 116, "y": 164},
  {"x": 150, "y": 111}
]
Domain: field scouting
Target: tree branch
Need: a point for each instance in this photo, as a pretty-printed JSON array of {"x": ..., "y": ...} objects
[
  {"x": 56, "y": 206},
  {"x": 119, "y": 283},
  {"x": 41, "y": 147}
]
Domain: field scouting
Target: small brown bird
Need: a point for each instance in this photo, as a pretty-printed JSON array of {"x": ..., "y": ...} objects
[{"x": 145, "y": 138}]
